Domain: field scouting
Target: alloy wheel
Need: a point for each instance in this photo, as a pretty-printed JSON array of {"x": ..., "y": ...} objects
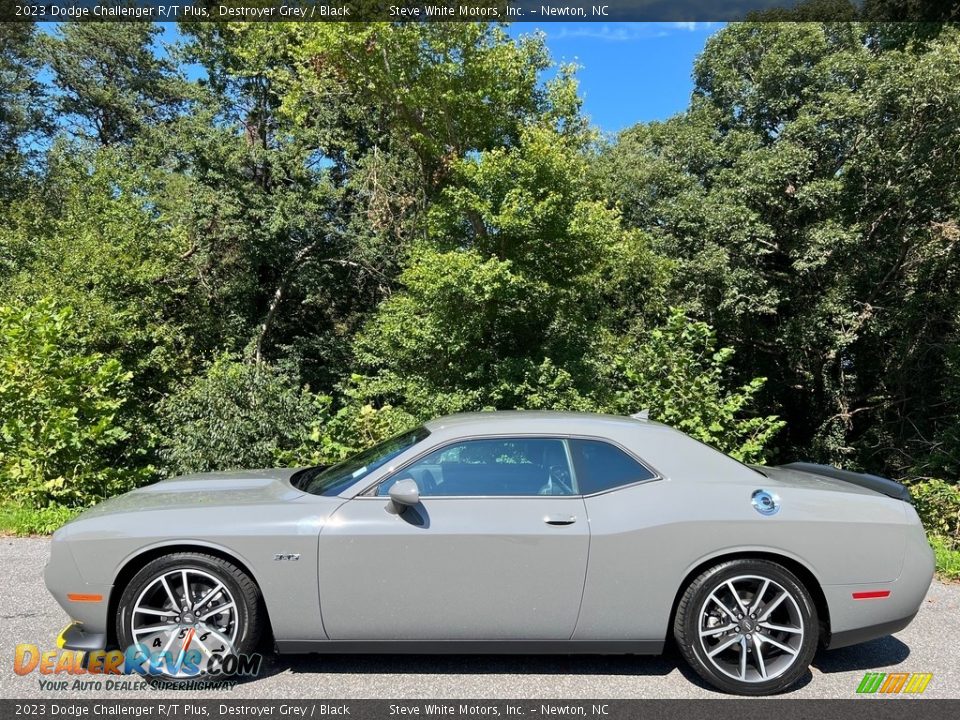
[
  {"x": 751, "y": 628},
  {"x": 183, "y": 609}
]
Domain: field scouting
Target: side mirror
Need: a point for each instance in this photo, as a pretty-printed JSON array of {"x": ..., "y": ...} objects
[{"x": 405, "y": 493}]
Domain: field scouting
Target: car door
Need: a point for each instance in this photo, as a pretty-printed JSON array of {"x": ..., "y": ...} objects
[{"x": 496, "y": 549}]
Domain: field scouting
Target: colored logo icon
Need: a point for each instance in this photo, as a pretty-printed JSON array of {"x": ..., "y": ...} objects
[{"x": 894, "y": 683}]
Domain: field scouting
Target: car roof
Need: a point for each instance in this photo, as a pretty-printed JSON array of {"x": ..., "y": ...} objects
[{"x": 534, "y": 421}]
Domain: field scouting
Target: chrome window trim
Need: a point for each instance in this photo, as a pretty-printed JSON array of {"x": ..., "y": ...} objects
[
  {"x": 655, "y": 474},
  {"x": 563, "y": 437}
]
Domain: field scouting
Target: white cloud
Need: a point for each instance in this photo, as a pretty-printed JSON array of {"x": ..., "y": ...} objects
[
  {"x": 692, "y": 26},
  {"x": 622, "y": 31}
]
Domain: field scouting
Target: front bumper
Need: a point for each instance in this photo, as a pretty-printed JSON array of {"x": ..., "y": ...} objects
[
  {"x": 88, "y": 631},
  {"x": 76, "y": 637}
]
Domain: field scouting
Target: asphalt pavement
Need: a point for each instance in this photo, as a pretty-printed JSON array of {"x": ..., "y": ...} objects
[{"x": 931, "y": 644}]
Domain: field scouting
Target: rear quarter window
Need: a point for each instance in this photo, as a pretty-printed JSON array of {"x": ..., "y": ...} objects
[{"x": 602, "y": 466}]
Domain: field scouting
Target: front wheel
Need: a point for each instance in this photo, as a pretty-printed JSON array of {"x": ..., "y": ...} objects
[
  {"x": 747, "y": 627},
  {"x": 185, "y": 613}
]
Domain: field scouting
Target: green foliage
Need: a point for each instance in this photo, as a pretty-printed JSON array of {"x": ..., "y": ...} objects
[
  {"x": 809, "y": 200},
  {"x": 18, "y": 519},
  {"x": 110, "y": 80},
  {"x": 59, "y": 434},
  {"x": 505, "y": 287},
  {"x": 938, "y": 505},
  {"x": 508, "y": 306},
  {"x": 441, "y": 89},
  {"x": 236, "y": 415},
  {"x": 937, "y": 502},
  {"x": 112, "y": 250},
  {"x": 21, "y": 105},
  {"x": 353, "y": 428},
  {"x": 679, "y": 374},
  {"x": 408, "y": 221},
  {"x": 947, "y": 557}
]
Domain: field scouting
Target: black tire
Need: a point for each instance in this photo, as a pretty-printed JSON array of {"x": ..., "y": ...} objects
[
  {"x": 249, "y": 617},
  {"x": 698, "y": 610}
]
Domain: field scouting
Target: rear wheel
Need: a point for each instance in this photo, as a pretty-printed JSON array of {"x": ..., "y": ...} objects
[
  {"x": 186, "y": 612},
  {"x": 747, "y": 627}
]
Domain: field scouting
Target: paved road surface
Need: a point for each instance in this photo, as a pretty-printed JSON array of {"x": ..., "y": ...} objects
[{"x": 931, "y": 644}]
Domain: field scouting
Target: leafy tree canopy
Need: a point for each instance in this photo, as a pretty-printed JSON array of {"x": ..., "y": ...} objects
[
  {"x": 277, "y": 243},
  {"x": 809, "y": 197}
]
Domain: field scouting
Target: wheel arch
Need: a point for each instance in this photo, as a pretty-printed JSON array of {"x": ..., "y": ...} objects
[
  {"x": 797, "y": 567},
  {"x": 132, "y": 564}
]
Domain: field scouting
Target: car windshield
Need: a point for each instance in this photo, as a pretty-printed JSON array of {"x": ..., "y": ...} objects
[{"x": 333, "y": 480}]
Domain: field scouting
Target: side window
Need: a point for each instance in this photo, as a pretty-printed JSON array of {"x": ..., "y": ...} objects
[
  {"x": 602, "y": 466},
  {"x": 492, "y": 467}
]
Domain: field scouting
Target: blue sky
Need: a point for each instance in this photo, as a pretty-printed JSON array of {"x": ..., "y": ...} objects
[{"x": 629, "y": 72}]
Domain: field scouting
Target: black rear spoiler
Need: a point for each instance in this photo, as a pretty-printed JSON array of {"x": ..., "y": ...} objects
[{"x": 884, "y": 486}]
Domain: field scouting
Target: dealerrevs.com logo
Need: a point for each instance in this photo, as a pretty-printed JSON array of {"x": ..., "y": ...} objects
[
  {"x": 894, "y": 683},
  {"x": 183, "y": 665}
]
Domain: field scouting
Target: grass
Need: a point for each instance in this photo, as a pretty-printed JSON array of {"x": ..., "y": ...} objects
[
  {"x": 19, "y": 520},
  {"x": 948, "y": 557}
]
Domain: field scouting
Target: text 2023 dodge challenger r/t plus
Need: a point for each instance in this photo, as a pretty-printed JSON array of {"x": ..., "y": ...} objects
[{"x": 504, "y": 532}]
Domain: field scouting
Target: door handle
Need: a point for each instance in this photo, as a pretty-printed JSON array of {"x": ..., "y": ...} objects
[{"x": 560, "y": 519}]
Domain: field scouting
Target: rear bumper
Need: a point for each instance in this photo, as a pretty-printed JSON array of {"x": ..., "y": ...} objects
[
  {"x": 855, "y": 620},
  {"x": 865, "y": 634}
]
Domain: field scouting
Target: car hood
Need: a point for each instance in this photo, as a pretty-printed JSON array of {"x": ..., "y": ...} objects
[{"x": 216, "y": 489}]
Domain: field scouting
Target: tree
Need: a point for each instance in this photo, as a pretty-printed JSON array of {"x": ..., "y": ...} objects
[
  {"x": 111, "y": 81},
  {"x": 284, "y": 229},
  {"x": 60, "y": 434},
  {"x": 348, "y": 134},
  {"x": 21, "y": 105},
  {"x": 810, "y": 200},
  {"x": 508, "y": 306},
  {"x": 111, "y": 246},
  {"x": 505, "y": 284},
  {"x": 236, "y": 415},
  {"x": 677, "y": 373}
]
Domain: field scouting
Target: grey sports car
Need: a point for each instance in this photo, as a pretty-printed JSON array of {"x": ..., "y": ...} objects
[{"x": 504, "y": 532}]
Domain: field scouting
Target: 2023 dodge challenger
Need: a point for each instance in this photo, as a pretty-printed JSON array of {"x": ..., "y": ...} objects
[{"x": 505, "y": 532}]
